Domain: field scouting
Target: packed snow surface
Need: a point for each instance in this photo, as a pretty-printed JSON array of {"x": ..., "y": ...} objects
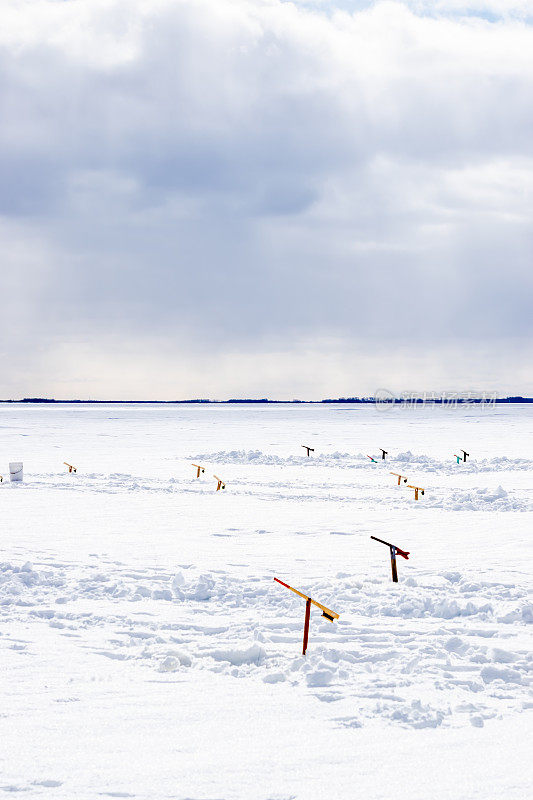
[{"x": 147, "y": 652}]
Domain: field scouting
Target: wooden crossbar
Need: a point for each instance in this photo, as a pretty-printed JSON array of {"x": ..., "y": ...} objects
[
  {"x": 399, "y": 477},
  {"x": 70, "y": 467},
  {"x": 220, "y": 484},
  {"x": 198, "y": 469},
  {"x": 326, "y": 612},
  {"x": 417, "y": 489}
]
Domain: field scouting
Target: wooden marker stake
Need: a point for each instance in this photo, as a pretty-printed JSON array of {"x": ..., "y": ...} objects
[
  {"x": 457, "y": 457},
  {"x": 465, "y": 454},
  {"x": 70, "y": 467},
  {"x": 383, "y": 453},
  {"x": 400, "y": 477},
  {"x": 306, "y": 624},
  {"x": 198, "y": 470},
  {"x": 309, "y": 449},
  {"x": 220, "y": 484},
  {"x": 326, "y": 612},
  {"x": 417, "y": 489},
  {"x": 394, "y": 551},
  {"x": 373, "y": 460},
  {"x": 393, "y": 565}
]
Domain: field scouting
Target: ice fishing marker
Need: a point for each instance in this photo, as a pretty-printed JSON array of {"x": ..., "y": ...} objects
[
  {"x": 198, "y": 470},
  {"x": 220, "y": 484},
  {"x": 309, "y": 449},
  {"x": 383, "y": 453},
  {"x": 394, "y": 551},
  {"x": 400, "y": 477},
  {"x": 373, "y": 460},
  {"x": 465, "y": 454},
  {"x": 326, "y": 612},
  {"x": 70, "y": 467},
  {"x": 459, "y": 459},
  {"x": 417, "y": 489}
]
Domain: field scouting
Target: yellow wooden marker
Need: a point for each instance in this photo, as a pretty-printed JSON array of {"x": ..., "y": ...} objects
[
  {"x": 326, "y": 612},
  {"x": 417, "y": 489},
  {"x": 198, "y": 470},
  {"x": 399, "y": 477},
  {"x": 220, "y": 484},
  {"x": 70, "y": 467}
]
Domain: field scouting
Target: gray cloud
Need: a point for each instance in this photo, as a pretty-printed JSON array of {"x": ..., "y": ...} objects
[{"x": 224, "y": 176}]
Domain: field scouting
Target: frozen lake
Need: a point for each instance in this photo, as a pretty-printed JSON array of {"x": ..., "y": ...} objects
[{"x": 147, "y": 652}]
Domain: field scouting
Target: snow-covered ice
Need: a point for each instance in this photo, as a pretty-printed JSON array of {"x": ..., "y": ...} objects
[{"x": 147, "y": 652}]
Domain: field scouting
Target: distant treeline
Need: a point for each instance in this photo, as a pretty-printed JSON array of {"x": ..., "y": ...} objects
[{"x": 354, "y": 400}]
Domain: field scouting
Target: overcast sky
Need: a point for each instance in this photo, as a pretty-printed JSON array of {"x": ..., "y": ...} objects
[{"x": 228, "y": 198}]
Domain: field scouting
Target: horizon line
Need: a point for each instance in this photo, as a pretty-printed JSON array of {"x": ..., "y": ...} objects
[{"x": 445, "y": 399}]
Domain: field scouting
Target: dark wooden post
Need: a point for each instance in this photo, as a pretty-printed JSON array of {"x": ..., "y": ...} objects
[
  {"x": 306, "y": 624},
  {"x": 393, "y": 564}
]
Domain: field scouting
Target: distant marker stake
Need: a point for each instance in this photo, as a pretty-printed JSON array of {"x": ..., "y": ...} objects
[
  {"x": 417, "y": 489},
  {"x": 309, "y": 449},
  {"x": 394, "y": 551},
  {"x": 400, "y": 477}
]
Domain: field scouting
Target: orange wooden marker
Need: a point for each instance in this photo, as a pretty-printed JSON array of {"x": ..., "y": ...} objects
[
  {"x": 399, "y": 477},
  {"x": 70, "y": 467},
  {"x": 198, "y": 470},
  {"x": 417, "y": 489},
  {"x": 326, "y": 612},
  {"x": 220, "y": 484}
]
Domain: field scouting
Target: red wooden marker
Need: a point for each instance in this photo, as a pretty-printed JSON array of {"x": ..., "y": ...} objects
[
  {"x": 394, "y": 551},
  {"x": 326, "y": 612}
]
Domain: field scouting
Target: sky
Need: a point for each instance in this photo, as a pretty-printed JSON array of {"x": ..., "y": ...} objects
[{"x": 258, "y": 198}]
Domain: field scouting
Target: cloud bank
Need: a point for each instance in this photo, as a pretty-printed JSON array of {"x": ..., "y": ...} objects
[{"x": 237, "y": 197}]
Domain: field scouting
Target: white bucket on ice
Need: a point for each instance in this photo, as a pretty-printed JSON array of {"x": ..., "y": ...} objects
[{"x": 15, "y": 471}]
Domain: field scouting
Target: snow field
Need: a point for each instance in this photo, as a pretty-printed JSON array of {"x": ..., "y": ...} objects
[{"x": 143, "y": 600}]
